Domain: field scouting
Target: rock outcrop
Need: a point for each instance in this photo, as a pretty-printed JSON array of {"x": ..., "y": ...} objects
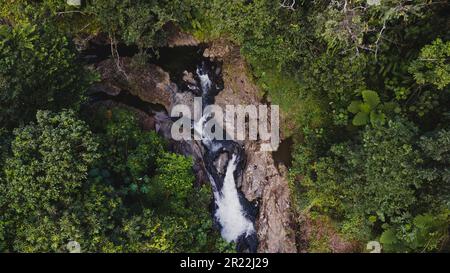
[
  {"x": 150, "y": 83},
  {"x": 218, "y": 50},
  {"x": 175, "y": 37},
  {"x": 262, "y": 181}
]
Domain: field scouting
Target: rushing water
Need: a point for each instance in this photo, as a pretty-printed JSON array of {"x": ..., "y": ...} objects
[
  {"x": 229, "y": 211},
  {"x": 233, "y": 212}
]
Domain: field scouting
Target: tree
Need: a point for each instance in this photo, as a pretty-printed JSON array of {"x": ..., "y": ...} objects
[
  {"x": 38, "y": 70},
  {"x": 379, "y": 174},
  {"x": 425, "y": 232},
  {"x": 128, "y": 154},
  {"x": 50, "y": 160},
  {"x": 433, "y": 65},
  {"x": 175, "y": 174},
  {"x": 47, "y": 198},
  {"x": 385, "y": 182},
  {"x": 435, "y": 150}
]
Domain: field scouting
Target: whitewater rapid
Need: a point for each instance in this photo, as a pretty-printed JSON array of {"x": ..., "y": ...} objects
[{"x": 229, "y": 211}]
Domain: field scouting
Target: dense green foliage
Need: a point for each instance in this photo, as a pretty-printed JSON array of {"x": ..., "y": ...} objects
[
  {"x": 38, "y": 70},
  {"x": 62, "y": 182},
  {"x": 102, "y": 182},
  {"x": 364, "y": 90}
]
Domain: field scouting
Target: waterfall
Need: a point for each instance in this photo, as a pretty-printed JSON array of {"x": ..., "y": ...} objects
[
  {"x": 232, "y": 210},
  {"x": 229, "y": 210}
]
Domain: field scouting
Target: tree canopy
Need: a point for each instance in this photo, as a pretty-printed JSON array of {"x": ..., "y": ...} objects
[{"x": 363, "y": 88}]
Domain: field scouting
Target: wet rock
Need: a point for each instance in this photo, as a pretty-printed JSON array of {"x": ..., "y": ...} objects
[
  {"x": 274, "y": 224},
  {"x": 105, "y": 87},
  {"x": 238, "y": 86},
  {"x": 257, "y": 172},
  {"x": 221, "y": 162},
  {"x": 152, "y": 84},
  {"x": 111, "y": 81},
  {"x": 184, "y": 98},
  {"x": 188, "y": 77},
  {"x": 147, "y": 122},
  {"x": 163, "y": 125}
]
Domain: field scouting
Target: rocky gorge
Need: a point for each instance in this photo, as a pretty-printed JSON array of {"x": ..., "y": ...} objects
[{"x": 152, "y": 90}]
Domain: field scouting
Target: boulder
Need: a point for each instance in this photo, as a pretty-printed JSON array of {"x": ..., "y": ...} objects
[
  {"x": 150, "y": 83},
  {"x": 221, "y": 162},
  {"x": 105, "y": 87},
  {"x": 188, "y": 77}
]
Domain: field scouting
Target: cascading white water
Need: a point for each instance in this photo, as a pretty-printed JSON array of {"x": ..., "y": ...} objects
[
  {"x": 205, "y": 82},
  {"x": 230, "y": 212}
]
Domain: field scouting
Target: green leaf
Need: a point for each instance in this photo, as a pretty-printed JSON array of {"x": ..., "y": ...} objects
[
  {"x": 377, "y": 118},
  {"x": 388, "y": 237},
  {"x": 389, "y": 107},
  {"x": 354, "y": 106},
  {"x": 134, "y": 187},
  {"x": 371, "y": 97},
  {"x": 366, "y": 108},
  {"x": 361, "y": 119}
]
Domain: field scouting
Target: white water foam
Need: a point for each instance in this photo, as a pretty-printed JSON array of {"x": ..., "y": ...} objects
[
  {"x": 229, "y": 210},
  {"x": 205, "y": 82},
  {"x": 198, "y": 130}
]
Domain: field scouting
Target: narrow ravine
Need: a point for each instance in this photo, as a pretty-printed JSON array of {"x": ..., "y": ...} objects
[{"x": 233, "y": 213}]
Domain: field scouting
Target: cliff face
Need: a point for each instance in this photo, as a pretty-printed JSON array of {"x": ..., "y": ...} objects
[{"x": 262, "y": 181}]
